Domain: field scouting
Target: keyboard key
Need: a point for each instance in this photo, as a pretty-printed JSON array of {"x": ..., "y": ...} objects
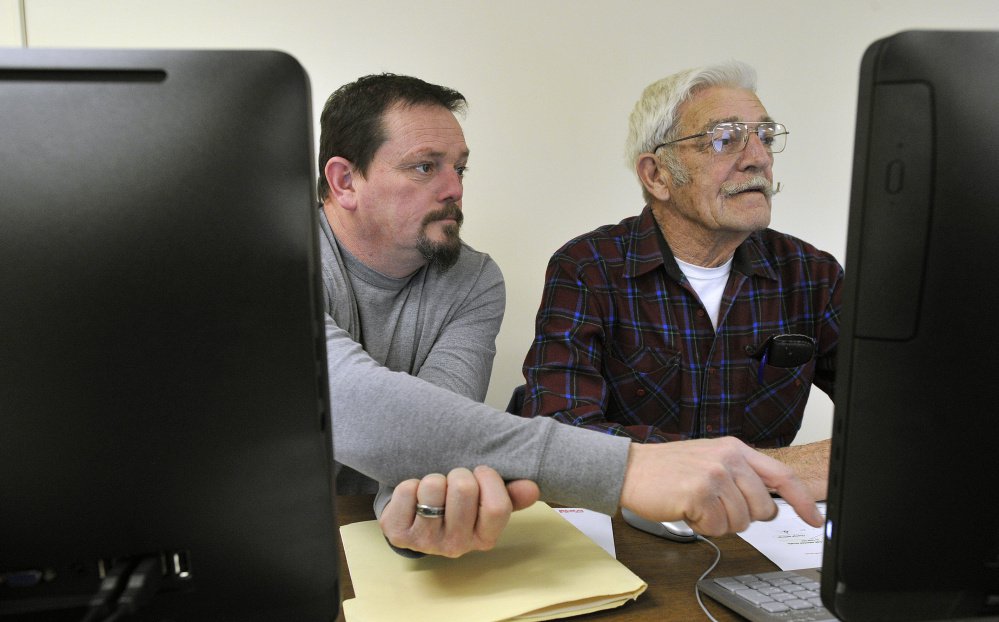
[
  {"x": 730, "y": 584},
  {"x": 753, "y": 596},
  {"x": 774, "y": 607},
  {"x": 779, "y": 574}
]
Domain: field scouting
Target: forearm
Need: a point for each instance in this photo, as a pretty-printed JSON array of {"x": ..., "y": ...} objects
[
  {"x": 392, "y": 426},
  {"x": 810, "y": 463}
]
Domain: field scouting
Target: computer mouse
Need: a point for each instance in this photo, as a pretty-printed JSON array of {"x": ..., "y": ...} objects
[{"x": 677, "y": 530}]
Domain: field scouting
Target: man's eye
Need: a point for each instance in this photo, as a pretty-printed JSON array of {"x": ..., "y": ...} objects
[
  {"x": 461, "y": 170},
  {"x": 425, "y": 168}
]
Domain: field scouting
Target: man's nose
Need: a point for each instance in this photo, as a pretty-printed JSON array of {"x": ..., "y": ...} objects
[
  {"x": 756, "y": 153},
  {"x": 452, "y": 188}
]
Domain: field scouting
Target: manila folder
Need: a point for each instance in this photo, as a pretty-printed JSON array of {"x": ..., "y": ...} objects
[{"x": 543, "y": 568}]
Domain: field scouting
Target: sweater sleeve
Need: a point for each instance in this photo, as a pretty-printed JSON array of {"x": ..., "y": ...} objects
[{"x": 392, "y": 426}]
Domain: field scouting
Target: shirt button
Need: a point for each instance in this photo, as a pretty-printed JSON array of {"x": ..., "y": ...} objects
[
  {"x": 712, "y": 371},
  {"x": 640, "y": 392},
  {"x": 710, "y": 428},
  {"x": 700, "y": 313}
]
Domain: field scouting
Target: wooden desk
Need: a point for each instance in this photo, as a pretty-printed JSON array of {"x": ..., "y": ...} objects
[{"x": 671, "y": 569}]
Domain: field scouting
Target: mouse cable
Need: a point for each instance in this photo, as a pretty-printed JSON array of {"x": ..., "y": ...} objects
[{"x": 697, "y": 590}]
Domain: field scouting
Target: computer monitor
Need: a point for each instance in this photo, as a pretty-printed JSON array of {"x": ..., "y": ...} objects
[
  {"x": 163, "y": 394},
  {"x": 913, "y": 512}
]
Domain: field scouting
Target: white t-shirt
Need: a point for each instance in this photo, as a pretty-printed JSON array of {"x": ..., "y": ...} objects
[{"x": 709, "y": 283}]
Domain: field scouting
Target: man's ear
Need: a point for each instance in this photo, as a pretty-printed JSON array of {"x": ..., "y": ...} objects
[
  {"x": 653, "y": 175},
  {"x": 341, "y": 177}
]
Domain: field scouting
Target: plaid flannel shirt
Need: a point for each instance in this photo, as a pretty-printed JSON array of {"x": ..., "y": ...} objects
[{"x": 623, "y": 344}]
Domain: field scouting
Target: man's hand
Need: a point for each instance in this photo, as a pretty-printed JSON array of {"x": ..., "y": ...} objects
[
  {"x": 716, "y": 485},
  {"x": 477, "y": 506},
  {"x": 810, "y": 462}
]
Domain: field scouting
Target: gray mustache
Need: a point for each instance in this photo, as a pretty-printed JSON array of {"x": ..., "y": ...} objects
[{"x": 755, "y": 183}]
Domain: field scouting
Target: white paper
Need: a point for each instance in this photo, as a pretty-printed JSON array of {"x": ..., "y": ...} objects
[
  {"x": 595, "y": 525},
  {"x": 787, "y": 541}
]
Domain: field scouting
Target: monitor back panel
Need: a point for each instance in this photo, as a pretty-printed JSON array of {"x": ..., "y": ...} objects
[
  {"x": 162, "y": 372},
  {"x": 914, "y": 518}
]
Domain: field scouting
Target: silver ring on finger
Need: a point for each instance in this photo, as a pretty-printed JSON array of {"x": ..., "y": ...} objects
[{"x": 429, "y": 511}]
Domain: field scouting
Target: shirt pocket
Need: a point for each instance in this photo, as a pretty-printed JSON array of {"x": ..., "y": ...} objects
[
  {"x": 644, "y": 387},
  {"x": 775, "y": 403}
]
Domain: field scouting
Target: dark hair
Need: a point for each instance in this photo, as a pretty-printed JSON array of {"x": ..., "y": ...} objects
[{"x": 351, "y": 123}]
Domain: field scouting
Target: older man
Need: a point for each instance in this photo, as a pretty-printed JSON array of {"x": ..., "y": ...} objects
[
  {"x": 412, "y": 315},
  {"x": 692, "y": 319}
]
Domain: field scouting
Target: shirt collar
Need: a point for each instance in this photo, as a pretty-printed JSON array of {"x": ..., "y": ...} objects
[{"x": 648, "y": 249}]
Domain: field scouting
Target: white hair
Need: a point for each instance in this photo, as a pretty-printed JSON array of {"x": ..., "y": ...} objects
[{"x": 654, "y": 120}]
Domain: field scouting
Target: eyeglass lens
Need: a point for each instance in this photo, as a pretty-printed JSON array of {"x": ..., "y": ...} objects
[{"x": 732, "y": 137}]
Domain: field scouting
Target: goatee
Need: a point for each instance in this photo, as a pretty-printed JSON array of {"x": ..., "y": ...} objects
[{"x": 442, "y": 255}]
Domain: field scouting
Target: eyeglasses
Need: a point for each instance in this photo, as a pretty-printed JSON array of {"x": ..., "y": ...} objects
[{"x": 732, "y": 137}]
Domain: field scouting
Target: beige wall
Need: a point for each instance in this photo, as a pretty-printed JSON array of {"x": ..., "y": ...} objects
[
  {"x": 10, "y": 23},
  {"x": 550, "y": 83}
]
